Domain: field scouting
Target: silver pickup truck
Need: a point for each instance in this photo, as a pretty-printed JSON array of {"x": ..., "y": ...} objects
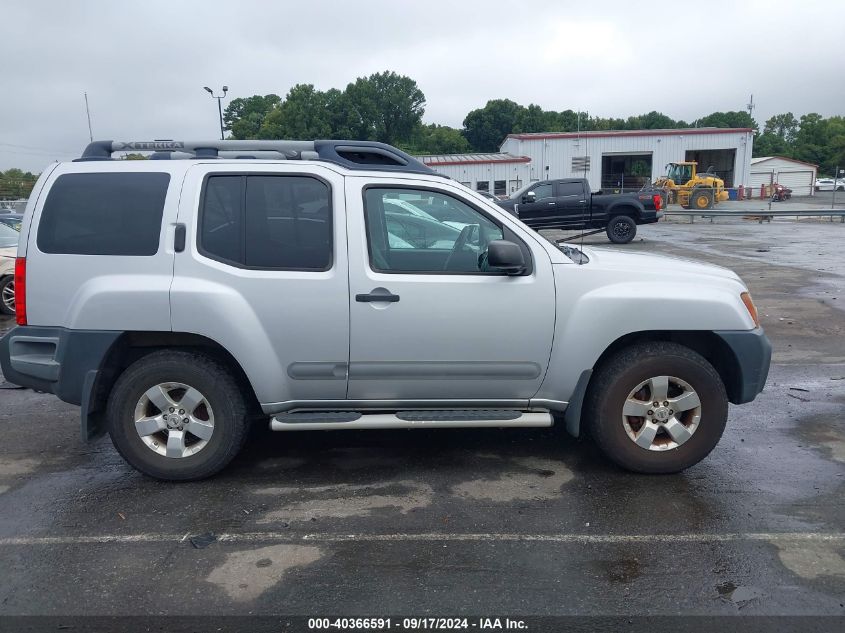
[{"x": 303, "y": 283}]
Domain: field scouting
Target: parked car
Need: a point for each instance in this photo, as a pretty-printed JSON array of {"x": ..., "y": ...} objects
[
  {"x": 8, "y": 251},
  {"x": 569, "y": 204},
  {"x": 12, "y": 220},
  {"x": 176, "y": 301},
  {"x": 829, "y": 184}
]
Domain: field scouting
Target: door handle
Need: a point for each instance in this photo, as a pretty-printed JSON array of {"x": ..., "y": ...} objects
[
  {"x": 372, "y": 297},
  {"x": 551, "y": 204},
  {"x": 179, "y": 238},
  {"x": 582, "y": 201}
]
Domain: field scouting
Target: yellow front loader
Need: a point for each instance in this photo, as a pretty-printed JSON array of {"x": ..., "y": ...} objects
[{"x": 691, "y": 190}]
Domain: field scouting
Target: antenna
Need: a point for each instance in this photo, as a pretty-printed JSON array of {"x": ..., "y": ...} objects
[
  {"x": 585, "y": 159},
  {"x": 88, "y": 113},
  {"x": 750, "y": 106}
]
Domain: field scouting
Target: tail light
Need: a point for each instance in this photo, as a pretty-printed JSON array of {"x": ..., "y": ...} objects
[
  {"x": 658, "y": 201},
  {"x": 20, "y": 290}
]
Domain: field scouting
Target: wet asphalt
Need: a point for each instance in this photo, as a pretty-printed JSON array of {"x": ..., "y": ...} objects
[{"x": 475, "y": 522}]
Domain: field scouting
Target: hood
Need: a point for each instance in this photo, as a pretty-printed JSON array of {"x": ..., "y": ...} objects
[
  {"x": 11, "y": 251},
  {"x": 610, "y": 259}
]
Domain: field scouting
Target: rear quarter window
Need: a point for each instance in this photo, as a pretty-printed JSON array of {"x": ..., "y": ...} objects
[{"x": 103, "y": 214}]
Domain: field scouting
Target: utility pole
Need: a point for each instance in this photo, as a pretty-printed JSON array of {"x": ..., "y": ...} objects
[
  {"x": 750, "y": 107},
  {"x": 219, "y": 107}
]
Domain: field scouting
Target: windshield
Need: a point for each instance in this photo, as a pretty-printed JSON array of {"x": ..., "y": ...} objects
[
  {"x": 8, "y": 236},
  {"x": 679, "y": 173}
]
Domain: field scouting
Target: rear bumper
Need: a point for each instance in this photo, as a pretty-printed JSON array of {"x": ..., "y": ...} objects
[
  {"x": 752, "y": 356},
  {"x": 55, "y": 360}
]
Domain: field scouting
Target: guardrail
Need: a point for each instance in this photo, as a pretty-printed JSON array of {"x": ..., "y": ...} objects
[{"x": 760, "y": 214}]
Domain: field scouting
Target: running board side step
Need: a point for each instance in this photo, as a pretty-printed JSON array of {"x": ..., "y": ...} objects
[{"x": 490, "y": 418}]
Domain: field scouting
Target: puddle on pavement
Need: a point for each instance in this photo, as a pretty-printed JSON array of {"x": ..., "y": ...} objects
[
  {"x": 537, "y": 479},
  {"x": 245, "y": 575},
  {"x": 740, "y": 595},
  {"x": 621, "y": 571},
  {"x": 346, "y": 500},
  {"x": 812, "y": 559},
  {"x": 13, "y": 467}
]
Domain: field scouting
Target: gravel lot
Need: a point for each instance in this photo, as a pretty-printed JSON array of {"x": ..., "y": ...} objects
[{"x": 483, "y": 522}]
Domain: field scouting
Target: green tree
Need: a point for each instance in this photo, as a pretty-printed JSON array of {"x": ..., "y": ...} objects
[
  {"x": 436, "y": 139},
  {"x": 782, "y": 125},
  {"x": 16, "y": 183},
  {"x": 485, "y": 128},
  {"x": 384, "y": 107},
  {"x": 303, "y": 115},
  {"x": 739, "y": 118},
  {"x": 243, "y": 117}
]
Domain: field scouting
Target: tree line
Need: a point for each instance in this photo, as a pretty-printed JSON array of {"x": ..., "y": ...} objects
[
  {"x": 16, "y": 184},
  {"x": 389, "y": 107}
]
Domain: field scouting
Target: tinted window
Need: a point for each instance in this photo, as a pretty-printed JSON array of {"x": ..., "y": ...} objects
[
  {"x": 571, "y": 188},
  {"x": 281, "y": 222},
  {"x": 402, "y": 242},
  {"x": 543, "y": 191},
  {"x": 103, "y": 214}
]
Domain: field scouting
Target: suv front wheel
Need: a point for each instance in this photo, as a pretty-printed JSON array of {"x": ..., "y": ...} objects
[
  {"x": 177, "y": 415},
  {"x": 656, "y": 408}
]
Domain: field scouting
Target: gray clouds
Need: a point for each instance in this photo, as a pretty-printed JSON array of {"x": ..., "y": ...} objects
[{"x": 143, "y": 63}]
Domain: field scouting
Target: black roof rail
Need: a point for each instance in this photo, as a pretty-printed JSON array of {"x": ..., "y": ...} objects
[{"x": 361, "y": 155}]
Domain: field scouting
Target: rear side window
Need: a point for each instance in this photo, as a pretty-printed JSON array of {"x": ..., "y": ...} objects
[
  {"x": 267, "y": 222},
  {"x": 103, "y": 214}
]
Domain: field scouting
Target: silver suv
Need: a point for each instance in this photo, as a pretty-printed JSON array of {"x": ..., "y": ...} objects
[{"x": 344, "y": 285}]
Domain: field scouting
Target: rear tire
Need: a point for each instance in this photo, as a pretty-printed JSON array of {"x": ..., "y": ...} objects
[
  {"x": 7, "y": 295},
  {"x": 683, "y": 437},
  {"x": 621, "y": 229},
  {"x": 220, "y": 418}
]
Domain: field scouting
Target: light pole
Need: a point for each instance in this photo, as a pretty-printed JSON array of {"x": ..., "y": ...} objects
[{"x": 219, "y": 107}]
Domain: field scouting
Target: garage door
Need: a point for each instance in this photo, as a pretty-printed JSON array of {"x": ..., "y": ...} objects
[
  {"x": 800, "y": 181},
  {"x": 761, "y": 178}
]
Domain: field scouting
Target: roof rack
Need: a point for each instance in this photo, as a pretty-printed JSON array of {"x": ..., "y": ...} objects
[{"x": 362, "y": 155}]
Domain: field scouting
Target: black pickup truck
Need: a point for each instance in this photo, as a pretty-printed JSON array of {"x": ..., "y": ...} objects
[{"x": 569, "y": 204}]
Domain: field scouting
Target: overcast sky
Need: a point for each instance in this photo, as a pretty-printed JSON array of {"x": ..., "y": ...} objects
[{"x": 144, "y": 63}]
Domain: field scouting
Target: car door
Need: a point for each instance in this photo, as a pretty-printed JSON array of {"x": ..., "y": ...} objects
[
  {"x": 264, "y": 274},
  {"x": 572, "y": 203},
  {"x": 429, "y": 320},
  {"x": 542, "y": 208}
]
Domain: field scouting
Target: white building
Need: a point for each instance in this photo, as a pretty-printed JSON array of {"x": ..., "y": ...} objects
[
  {"x": 795, "y": 174},
  {"x": 614, "y": 159}
]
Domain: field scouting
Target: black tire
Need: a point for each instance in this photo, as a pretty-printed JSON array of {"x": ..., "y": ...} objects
[
  {"x": 621, "y": 229},
  {"x": 620, "y": 374},
  {"x": 701, "y": 199},
  {"x": 220, "y": 388},
  {"x": 5, "y": 284}
]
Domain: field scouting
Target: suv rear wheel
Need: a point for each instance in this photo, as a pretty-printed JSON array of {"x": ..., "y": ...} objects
[
  {"x": 657, "y": 408},
  {"x": 177, "y": 415}
]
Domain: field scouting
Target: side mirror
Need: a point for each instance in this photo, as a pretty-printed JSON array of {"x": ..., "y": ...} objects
[
  {"x": 506, "y": 256},
  {"x": 529, "y": 197}
]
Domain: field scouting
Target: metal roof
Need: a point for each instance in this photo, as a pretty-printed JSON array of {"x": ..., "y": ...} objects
[
  {"x": 533, "y": 136},
  {"x": 471, "y": 159},
  {"x": 761, "y": 159}
]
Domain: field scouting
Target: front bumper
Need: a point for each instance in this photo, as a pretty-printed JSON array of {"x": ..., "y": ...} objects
[{"x": 752, "y": 356}]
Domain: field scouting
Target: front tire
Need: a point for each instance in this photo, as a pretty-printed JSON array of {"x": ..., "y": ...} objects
[
  {"x": 177, "y": 415},
  {"x": 701, "y": 200},
  {"x": 656, "y": 408},
  {"x": 7, "y": 295},
  {"x": 621, "y": 229}
]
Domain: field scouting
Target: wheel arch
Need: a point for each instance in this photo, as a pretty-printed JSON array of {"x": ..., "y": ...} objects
[
  {"x": 132, "y": 346},
  {"x": 706, "y": 343}
]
